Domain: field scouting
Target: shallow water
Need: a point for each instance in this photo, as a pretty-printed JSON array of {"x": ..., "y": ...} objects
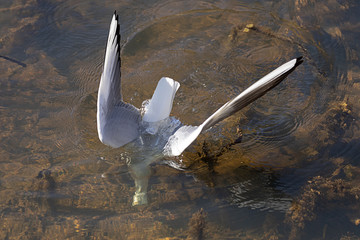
[{"x": 293, "y": 175}]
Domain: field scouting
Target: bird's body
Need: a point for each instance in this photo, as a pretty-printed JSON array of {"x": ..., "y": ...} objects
[{"x": 150, "y": 136}]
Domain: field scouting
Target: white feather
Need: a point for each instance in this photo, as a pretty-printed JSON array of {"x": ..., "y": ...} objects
[
  {"x": 117, "y": 121},
  {"x": 161, "y": 102},
  {"x": 185, "y": 135}
]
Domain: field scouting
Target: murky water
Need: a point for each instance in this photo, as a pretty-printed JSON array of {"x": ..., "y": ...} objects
[{"x": 293, "y": 175}]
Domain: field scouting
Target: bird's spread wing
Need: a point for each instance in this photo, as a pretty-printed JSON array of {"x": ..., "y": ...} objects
[
  {"x": 185, "y": 135},
  {"x": 117, "y": 121},
  {"x": 161, "y": 102}
]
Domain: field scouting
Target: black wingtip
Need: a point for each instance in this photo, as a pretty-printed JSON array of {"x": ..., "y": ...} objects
[
  {"x": 117, "y": 27},
  {"x": 118, "y": 38},
  {"x": 116, "y": 16},
  {"x": 299, "y": 61}
]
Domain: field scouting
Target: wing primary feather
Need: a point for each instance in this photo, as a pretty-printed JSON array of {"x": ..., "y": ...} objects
[
  {"x": 110, "y": 84},
  {"x": 117, "y": 121},
  {"x": 185, "y": 135},
  {"x": 255, "y": 91}
]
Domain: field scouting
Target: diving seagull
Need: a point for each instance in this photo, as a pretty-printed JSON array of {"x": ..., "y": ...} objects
[{"x": 150, "y": 135}]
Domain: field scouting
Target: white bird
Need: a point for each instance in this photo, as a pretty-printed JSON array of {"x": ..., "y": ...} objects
[{"x": 155, "y": 135}]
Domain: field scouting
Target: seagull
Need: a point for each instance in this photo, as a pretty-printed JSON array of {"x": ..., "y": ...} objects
[{"x": 150, "y": 134}]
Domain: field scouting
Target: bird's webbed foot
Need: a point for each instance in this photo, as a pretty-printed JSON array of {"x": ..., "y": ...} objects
[{"x": 140, "y": 199}]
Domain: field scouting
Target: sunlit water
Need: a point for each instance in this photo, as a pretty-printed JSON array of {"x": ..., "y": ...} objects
[{"x": 286, "y": 167}]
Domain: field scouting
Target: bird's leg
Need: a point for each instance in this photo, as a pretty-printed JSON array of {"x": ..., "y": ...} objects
[{"x": 140, "y": 172}]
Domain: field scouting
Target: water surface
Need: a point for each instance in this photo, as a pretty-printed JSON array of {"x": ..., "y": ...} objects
[{"x": 292, "y": 174}]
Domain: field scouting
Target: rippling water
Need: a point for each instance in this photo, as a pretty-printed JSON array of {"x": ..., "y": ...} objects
[{"x": 286, "y": 167}]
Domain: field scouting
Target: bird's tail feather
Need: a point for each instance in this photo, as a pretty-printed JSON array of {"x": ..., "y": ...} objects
[{"x": 161, "y": 102}]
